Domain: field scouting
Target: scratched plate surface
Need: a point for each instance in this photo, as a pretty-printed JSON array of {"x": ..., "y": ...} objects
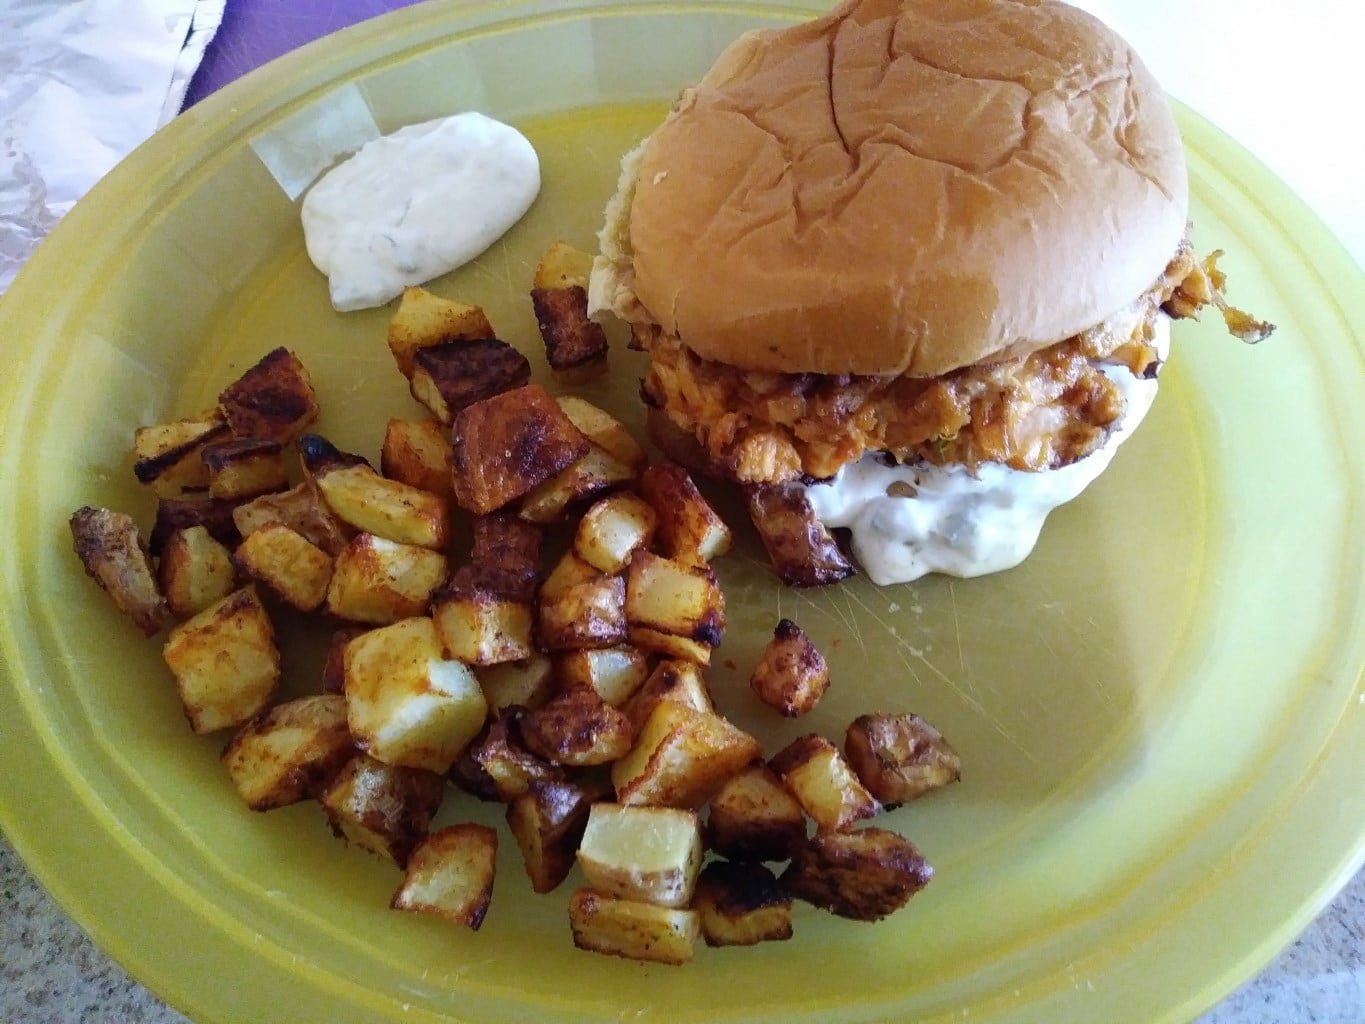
[{"x": 1159, "y": 714}]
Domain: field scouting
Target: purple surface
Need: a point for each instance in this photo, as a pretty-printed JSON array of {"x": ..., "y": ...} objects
[{"x": 256, "y": 31}]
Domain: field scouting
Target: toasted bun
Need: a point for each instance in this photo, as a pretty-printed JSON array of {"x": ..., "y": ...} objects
[{"x": 900, "y": 188}]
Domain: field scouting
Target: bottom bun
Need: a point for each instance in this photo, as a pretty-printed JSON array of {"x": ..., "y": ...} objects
[{"x": 678, "y": 445}]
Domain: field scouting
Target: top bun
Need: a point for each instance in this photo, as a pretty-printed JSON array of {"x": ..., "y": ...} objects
[{"x": 900, "y": 187}]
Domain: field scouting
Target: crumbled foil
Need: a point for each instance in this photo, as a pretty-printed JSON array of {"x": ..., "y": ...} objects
[{"x": 82, "y": 83}]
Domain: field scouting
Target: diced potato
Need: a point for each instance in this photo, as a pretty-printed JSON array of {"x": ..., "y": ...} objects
[
  {"x": 417, "y": 453},
  {"x": 372, "y": 503},
  {"x": 547, "y": 823},
  {"x": 225, "y": 662},
  {"x": 689, "y": 529},
  {"x": 863, "y": 875},
  {"x": 454, "y": 375},
  {"x": 614, "y": 673},
  {"x": 755, "y": 817},
  {"x": 407, "y": 704},
  {"x": 481, "y": 619},
  {"x": 469, "y": 775},
  {"x": 501, "y": 539},
  {"x": 651, "y": 854},
  {"x": 168, "y": 456},
  {"x": 605, "y": 431},
  {"x": 638, "y": 931},
  {"x": 671, "y": 679},
  {"x": 174, "y": 514},
  {"x": 195, "y": 571},
  {"x": 613, "y": 530},
  {"x": 528, "y": 683},
  {"x": 802, "y": 551},
  {"x": 684, "y": 600},
  {"x": 506, "y": 445},
  {"x": 585, "y": 614},
  {"x": 423, "y": 319},
  {"x": 681, "y": 757},
  {"x": 299, "y": 508},
  {"x": 742, "y": 904},
  {"x": 380, "y": 807},
  {"x": 378, "y": 582},
  {"x": 568, "y": 573},
  {"x": 791, "y": 676},
  {"x": 245, "y": 468},
  {"x": 111, "y": 549},
  {"x": 670, "y": 645},
  {"x": 450, "y": 874},
  {"x": 571, "y": 340},
  {"x": 288, "y": 564},
  {"x": 334, "y": 662},
  {"x": 272, "y": 401},
  {"x": 823, "y": 783},
  {"x": 290, "y": 752},
  {"x": 593, "y": 474},
  {"x": 900, "y": 757},
  {"x": 504, "y": 759},
  {"x": 577, "y": 727},
  {"x": 563, "y": 266}
]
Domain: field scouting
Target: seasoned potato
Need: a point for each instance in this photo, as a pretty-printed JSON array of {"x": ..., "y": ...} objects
[
  {"x": 612, "y": 530},
  {"x": 755, "y": 817},
  {"x": 372, "y": 503},
  {"x": 111, "y": 549},
  {"x": 639, "y": 931},
  {"x": 864, "y": 875},
  {"x": 605, "y": 431},
  {"x": 417, "y": 453},
  {"x": 577, "y": 727},
  {"x": 528, "y": 683},
  {"x": 451, "y": 376},
  {"x": 174, "y": 514},
  {"x": 899, "y": 757},
  {"x": 406, "y": 703},
  {"x": 791, "y": 676},
  {"x": 450, "y": 874},
  {"x": 168, "y": 457},
  {"x": 481, "y": 618},
  {"x": 504, "y": 760},
  {"x": 380, "y": 807},
  {"x": 580, "y": 608},
  {"x": 272, "y": 401},
  {"x": 651, "y": 854},
  {"x": 195, "y": 571},
  {"x": 689, "y": 529},
  {"x": 244, "y": 468},
  {"x": 670, "y": 645},
  {"x": 547, "y": 822},
  {"x": 378, "y": 582},
  {"x": 823, "y": 783},
  {"x": 334, "y": 663},
  {"x": 595, "y": 473},
  {"x": 572, "y": 341},
  {"x": 290, "y": 752},
  {"x": 670, "y": 679},
  {"x": 802, "y": 551},
  {"x": 423, "y": 319},
  {"x": 684, "y": 600},
  {"x": 741, "y": 904},
  {"x": 681, "y": 757},
  {"x": 286, "y": 563},
  {"x": 563, "y": 266},
  {"x": 225, "y": 662},
  {"x": 614, "y": 673},
  {"x": 501, "y": 539},
  {"x": 299, "y": 508}
]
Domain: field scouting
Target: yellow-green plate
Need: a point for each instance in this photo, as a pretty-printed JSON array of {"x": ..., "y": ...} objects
[{"x": 1160, "y": 714}]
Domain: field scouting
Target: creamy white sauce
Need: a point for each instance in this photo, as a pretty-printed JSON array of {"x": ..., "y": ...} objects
[
  {"x": 957, "y": 523},
  {"x": 416, "y": 204}
]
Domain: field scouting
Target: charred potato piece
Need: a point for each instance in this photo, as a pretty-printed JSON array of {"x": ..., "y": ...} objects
[
  {"x": 272, "y": 401},
  {"x": 172, "y": 514},
  {"x": 614, "y": 673},
  {"x": 667, "y": 596},
  {"x": 417, "y": 453},
  {"x": 650, "y": 854},
  {"x": 290, "y": 752},
  {"x": 580, "y": 608},
  {"x": 741, "y": 904},
  {"x": 863, "y": 875},
  {"x": 195, "y": 571},
  {"x": 900, "y": 757},
  {"x": 378, "y": 582},
  {"x": 372, "y": 503},
  {"x": 111, "y": 549},
  {"x": 299, "y": 508},
  {"x": 286, "y": 563},
  {"x": 571, "y": 339},
  {"x": 547, "y": 823},
  {"x": 505, "y": 541},
  {"x": 823, "y": 783},
  {"x": 482, "y": 617},
  {"x": 577, "y": 727},
  {"x": 755, "y": 817},
  {"x": 800, "y": 547},
  {"x": 791, "y": 676},
  {"x": 681, "y": 757},
  {"x": 423, "y": 319},
  {"x": 595, "y": 473},
  {"x": 450, "y": 874},
  {"x": 612, "y": 530},
  {"x": 169, "y": 456},
  {"x": 504, "y": 759},
  {"x": 451, "y": 376},
  {"x": 528, "y": 683},
  {"x": 671, "y": 679},
  {"x": 637, "y": 931},
  {"x": 605, "y": 431},
  {"x": 380, "y": 807},
  {"x": 689, "y": 529},
  {"x": 245, "y": 468}
]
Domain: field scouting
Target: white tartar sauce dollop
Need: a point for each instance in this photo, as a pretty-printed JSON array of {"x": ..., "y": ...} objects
[
  {"x": 910, "y": 520},
  {"x": 415, "y": 204}
]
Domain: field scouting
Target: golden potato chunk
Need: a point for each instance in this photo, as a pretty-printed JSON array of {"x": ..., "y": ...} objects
[
  {"x": 225, "y": 662},
  {"x": 670, "y": 645},
  {"x": 671, "y": 679},
  {"x": 689, "y": 529},
  {"x": 383, "y": 808},
  {"x": 899, "y": 757},
  {"x": 334, "y": 662},
  {"x": 423, "y": 319},
  {"x": 299, "y": 508},
  {"x": 286, "y": 563},
  {"x": 450, "y": 874},
  {"x": 174, "y": 514},
  {"x": 626, "y": 928},
  {"x": 863, "y": 875},
  {"x": 378, "y": 582},
  {"x": 195, "y": 571},
  {"x": 563, "y": 266},
  {"x": 547, "y": 822},
  {"x": 504, "y": 760},
  {"x": 580, "y": 608},
  {"x": 245, "y": 468},
  {"x": 681, "y": 757},
  {"x": 372, "y": 503},
  {"x": 454, "y": 375},
  {"x": 791, "y": 676},
  {"x": 823, "y": 783},
  {"x": 417, "y": 453},
  {"x": 650, "y": 854},
  {"x": 605, "y": 431},
  {"x": 755, "y": 817},
  {"x": 741, "y": 904},
  {"x": 577, "y": 727},
  {"x": 528, "y": 683},
  {"x": 614, "y": 673},
  {"x": 667, "y": 596},
  {"x": 168, "y": 457},
  {"x": 802, "y": 551},
  {"x": 111, "y": 549},
  {"x": 272, "y": 401},
  {"x": 290, "y": 752},
  {"x": 481, "y": 619},
  {"x": 612, "y": 530},
  {"x": 593, "y": 474}
]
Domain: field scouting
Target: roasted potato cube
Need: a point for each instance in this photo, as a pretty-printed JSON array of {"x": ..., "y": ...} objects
[
  {"x": 174, "y": 514},
  {"x": 334, "y": 662},
  {"x": 651, "y": 854},
  {"x": 380, "y": 807},
  {"x": 451, "y": 376},
  {"x": 741, "y": 904},
  {"x": 528, "y": 683},
  {"x": 378, "y": 582},
  {"x": 823, "y": 783},
  {"x": 290, "y": 752},
  {"x": 168, "y": 457},
  {"x": 614, "y": 673},
  {"x": 195, "y": 571},
  {"x": 299, "y": 508},
  {"x": 504, "y": 540},
  {"x": 417, "y": 453},
  {"x": 287, "y": 564},
  {"x": 272, "y": 401},
  {"x": 684, "y": 600},
  {"x": 372, "y": 503},
  {"x": 111, "y": 549},
  {"x": 563, "y": 266},
  {"x": 899, "y": 757},
  {"x": 450, "y": 874},
  {"x": 613, "y": 530},
  {"x": 504, "y": 759},
  {"x": 225, "y": 662},
  {"x": 245, "y": 468},
  {"x": 547, "y": 823},
  {"x": 595, "y": 473},
  {"x": 468, "y": 775},
  {"x": 481, "y": 619},
  {"x": 791, "y": 676},
  {"x": 585, "y": 614},
  {"x": 802, "y": 551},
  {"x": 406, "y": 702},
  {"x": 864, "y": 875},
  {"x": 681, "y": 757},
  {"x": 506, "y": 445},
  {"x": 670, "y": 645},
  {"x": 605, "y": 431},
  {"x": 576, "y": 727},
  {"x": 671, "y": 679},
  {"x": 755, "y": 817},
  {"x": 689, "y": 529},
  {"x": 423, "y": 319},
  {"x": 571, "y": 339},
  {"x": 638, "y": 931}
]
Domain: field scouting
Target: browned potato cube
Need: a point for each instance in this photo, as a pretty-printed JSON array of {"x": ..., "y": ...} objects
[
  {"x": 684, "y": 600},
  {"x": 168, "y": 457},
  {"x": 571, "y": 339},
  {"x": 547, "y": 823},
  {"x": 651, "y": 854},
  {"x": 288, "y": 564},
  {"x": 577, "y": 727},
  {"x": 507, "y": 444},
  {"x": 563, "y": 266},
  {"x": 111, "y": 549},
  {"x": 681, "y": 757},
  {"x": 272, "y": 401},
  {"x": 381, "y": 807},
  {"x": 755, "y": 817},
  {"x": 606, "y": 432},
  {"x": 452, "y": 376},
  {"x": 423, "y": 319},
  {"x": 503, "y": 540},
  {"x": 689, "y": 530},
  {"x": 290, "y": 752},
  {"x": 614, "y": 673},
  {"x": 823, "y": 783},
  {"x": 802, "y": 551},
  {"x": 481, "y": 618},
  {"x": 580, "y": 613},
  {"x": 334, "y": 662},
  {"x": 528, "y": 683},
  {"x": 417, "y": 453},
  {"x": 864, "y": 875},
  {"x": 195, "y": 571},
  {"x": 174, "y": 514},
  {"x": 376, "y": 581},
  {"x": 245, "y": 468},
  {"x": 670, "y": 645},
  {"x": 450, "y": 874},
  {"x": 225, "y": 662},
  {"x": 900, "y": 757},
  {"x": 372, "y": 503},
  {"x": 671, "y": 679},
  {"x": 612, "y": 531},
  {"x": 638, "y": 931},
  {"x": 741, "y": 904},
  {"x": 299, "y": 508},
  {"x": 504, "y": 759},
  {"x": 791, "y": 676},
  {"x": 593, "y": 474}
]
